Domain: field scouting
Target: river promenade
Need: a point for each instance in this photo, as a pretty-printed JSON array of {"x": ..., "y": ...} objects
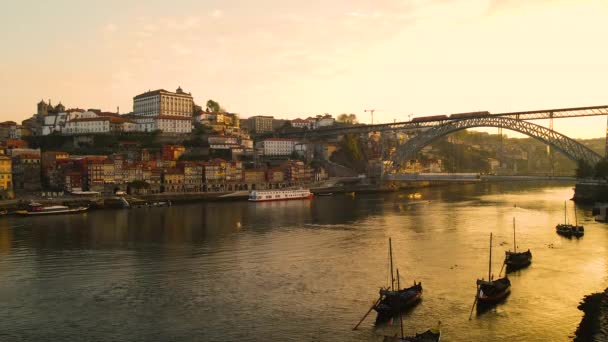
[{"x": 333, "y": 185}]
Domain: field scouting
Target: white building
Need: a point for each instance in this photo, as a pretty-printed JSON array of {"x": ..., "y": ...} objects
[
  {"x": 324, "y": 121},
  {"x": 164, "y": 110},
  {"x": 276, "y": 146},
  {"x": 300, "y": 123},
  {"x": 98, "y": 125},
  {"x": 54, "y": 123},
  {"x": 88, "y": 125}
]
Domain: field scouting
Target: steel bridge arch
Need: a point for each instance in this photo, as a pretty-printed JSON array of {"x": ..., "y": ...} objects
[{"x": 567, "y": 146}]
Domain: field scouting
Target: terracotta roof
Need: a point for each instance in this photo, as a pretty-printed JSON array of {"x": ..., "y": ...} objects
[
  {"x": 108, "y": 114},
  {"x": 71, "y": 110},
  {"x": 160, "y": 91}
]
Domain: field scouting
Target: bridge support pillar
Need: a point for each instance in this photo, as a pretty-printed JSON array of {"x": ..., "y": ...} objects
[{"x": 606, "y": 147}]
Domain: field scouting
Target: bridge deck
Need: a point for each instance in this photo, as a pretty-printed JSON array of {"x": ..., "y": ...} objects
[{"x": 409, "y": 125}]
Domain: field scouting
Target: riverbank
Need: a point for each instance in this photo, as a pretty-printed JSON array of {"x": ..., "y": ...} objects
[
  {"x": 336, "y": 186},
  {"x": 594, "y": 325},
  {"x": 591, "y": 191}
]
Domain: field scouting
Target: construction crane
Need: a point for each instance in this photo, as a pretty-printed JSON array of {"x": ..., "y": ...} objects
[{"x": 372, "y": 112}]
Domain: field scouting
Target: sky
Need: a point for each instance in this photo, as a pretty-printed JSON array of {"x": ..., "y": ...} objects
[{"x": 291, "y": 58}]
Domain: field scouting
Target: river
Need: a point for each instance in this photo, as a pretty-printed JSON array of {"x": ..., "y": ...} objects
[{"x": 297, "y": 270}]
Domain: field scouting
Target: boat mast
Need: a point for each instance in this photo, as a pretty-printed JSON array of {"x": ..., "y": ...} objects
[
  {"x": 400, "y": 313},
  {"x": 398, "y": 280},
  {"x": 390, "y": 252},
  {"x": 565, "y": 219},
  {"x": 490, "y": 263},
  {"x": 514, "y": 245},
  {"x": 575, "y": 217}
]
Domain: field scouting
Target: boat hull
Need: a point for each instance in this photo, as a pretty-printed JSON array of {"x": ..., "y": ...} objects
[
  {"x": 494, "y": 292},
  {"x": 570, "y": 230},
  {"x": 282, "y": 199},
  {"x": 395, "y": 302},
  {"x": 57, "y": 212},
  {"x": 515, "y": 261}
]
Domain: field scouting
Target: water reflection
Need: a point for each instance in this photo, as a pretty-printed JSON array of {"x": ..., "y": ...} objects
[{"x": 296, "y": 270}]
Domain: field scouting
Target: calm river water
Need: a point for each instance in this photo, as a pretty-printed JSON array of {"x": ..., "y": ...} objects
[{"x": 296, "y": 271}]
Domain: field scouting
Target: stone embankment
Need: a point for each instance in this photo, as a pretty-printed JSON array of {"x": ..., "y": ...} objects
[
  {"x": 594, "y": 325},
  {"x": 591, "y": 191}
]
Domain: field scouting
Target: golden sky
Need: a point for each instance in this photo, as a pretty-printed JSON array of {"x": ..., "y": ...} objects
[{"x": 293, "y": 59}]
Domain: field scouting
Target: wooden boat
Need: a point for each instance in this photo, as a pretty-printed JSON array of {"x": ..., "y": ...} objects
[
  {"x": 431, "y": 335},
  {"x": 567, "y": 229},
  {"x": 577, "y": 230},
  {"x": 37, "y": 209},
  {"x": 517, "y": 260},
  {"x": 490, "y": 292},
  {"x": 393, "y": 300}
]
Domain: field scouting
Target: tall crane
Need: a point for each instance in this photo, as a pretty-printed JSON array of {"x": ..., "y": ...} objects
[{"x": 372, "y": 112}]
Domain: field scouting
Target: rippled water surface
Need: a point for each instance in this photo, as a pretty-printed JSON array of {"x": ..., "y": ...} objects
[{"x": 296, "y": 271}]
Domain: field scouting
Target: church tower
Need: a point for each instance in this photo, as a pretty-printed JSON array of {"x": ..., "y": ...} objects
[{"x": 43, "y": 108}]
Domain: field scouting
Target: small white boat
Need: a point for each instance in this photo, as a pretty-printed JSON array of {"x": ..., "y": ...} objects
[
  {"x": 37, "y": 209},
  {"x": 161, "y": 204},
  {"x": 279, "y": 195}
]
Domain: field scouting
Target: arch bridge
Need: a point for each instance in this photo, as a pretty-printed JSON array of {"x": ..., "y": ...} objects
[{"x": 569, "y": 147}]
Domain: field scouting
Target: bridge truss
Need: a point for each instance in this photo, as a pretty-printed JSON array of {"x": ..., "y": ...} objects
[
  {"x": 569, "y": 147},
  {"x": 409, "y": 125}
]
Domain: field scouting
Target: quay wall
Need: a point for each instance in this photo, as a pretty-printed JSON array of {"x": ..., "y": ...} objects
[{"x": 591, "y": 191}]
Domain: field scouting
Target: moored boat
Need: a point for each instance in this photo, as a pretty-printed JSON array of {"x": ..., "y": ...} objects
[
  {"x": 393, "y": 300},
  {"x": 490, "y": 292},
  {"x": 564, "y": 229},
  {"x": 37, "y": 209},
  {"x": 516, "y": 260},
  {"x": 161, "y": 204},
  {"x": 279, "y": 195},
  {"x": 431, "y": 335},
  {"x": 567, "y": 229}
]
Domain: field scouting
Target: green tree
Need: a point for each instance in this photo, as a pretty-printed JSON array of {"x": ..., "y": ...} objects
[
  {"x": 601, "y": 169},
  {"x": 352, "y": 147},
  {"x": 349, "y": 119},
  {"x": 139, "y": 184},
  {"x": 213, "y": 107},
  {"x": 584, "y": 170}
]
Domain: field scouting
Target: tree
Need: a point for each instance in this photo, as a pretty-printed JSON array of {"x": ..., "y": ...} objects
[
  {"x": 213, "y": 106},
  {"x": 348, "y": 119},
  {"x": 601, "y": 169},
  {"x": 583, "y": 169}
]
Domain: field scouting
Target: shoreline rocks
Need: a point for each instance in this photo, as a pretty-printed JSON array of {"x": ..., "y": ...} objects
[{"x": 594, "y": 325}]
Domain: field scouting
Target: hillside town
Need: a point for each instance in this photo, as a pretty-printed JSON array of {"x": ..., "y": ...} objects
[
  {"x": 167, "y": 144},
  {"x": 170, "y": 144}
]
